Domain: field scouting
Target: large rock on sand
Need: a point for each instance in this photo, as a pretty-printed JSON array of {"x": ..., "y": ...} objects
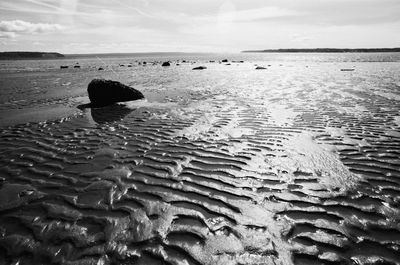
[{"x": 106, "y": 92}]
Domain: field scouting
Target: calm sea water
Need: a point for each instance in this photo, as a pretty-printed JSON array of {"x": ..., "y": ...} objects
[{"x": 89, "y": 60}]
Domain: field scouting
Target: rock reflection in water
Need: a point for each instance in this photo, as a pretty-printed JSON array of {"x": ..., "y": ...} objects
[
  {"x": 111, "y": 113},
  {"x": 115, "y": 112}
]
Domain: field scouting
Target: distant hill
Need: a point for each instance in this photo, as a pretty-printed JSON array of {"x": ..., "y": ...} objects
[
  {"x": 29, "y": 55},
  {"x": 329, "y": 50}
]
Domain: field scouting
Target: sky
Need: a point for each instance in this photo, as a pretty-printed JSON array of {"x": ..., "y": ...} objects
[{"x": 119, "y": 26}]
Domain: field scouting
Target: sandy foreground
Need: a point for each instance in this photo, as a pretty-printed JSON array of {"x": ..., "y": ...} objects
[{"x": 295, "y": 164}]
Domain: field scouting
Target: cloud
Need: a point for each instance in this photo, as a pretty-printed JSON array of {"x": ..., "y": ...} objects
[
  {"x": 337, "y": 12},
  {"x": 9, "y": 29},
  {"x": 7, "y": 35},
  {"x": 264, "y": 13},
  {"x": 300, "y": 38}
]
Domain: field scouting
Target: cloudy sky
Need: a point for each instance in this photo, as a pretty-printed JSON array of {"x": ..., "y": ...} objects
[{"x": 100, "y": 26}]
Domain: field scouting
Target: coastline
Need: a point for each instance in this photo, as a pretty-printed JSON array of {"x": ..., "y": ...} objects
[{"x": 325, "y": 50}]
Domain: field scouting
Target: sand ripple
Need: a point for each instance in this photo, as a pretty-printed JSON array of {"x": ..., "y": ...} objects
[{"x": 223, "y": 178}]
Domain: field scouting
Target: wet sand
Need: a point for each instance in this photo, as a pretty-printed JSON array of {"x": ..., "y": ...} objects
[{"x": 229, "y": 165}]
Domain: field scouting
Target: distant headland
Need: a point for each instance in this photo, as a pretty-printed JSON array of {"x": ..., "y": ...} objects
[
  {"x": 29, "y": 55},
  {"x": 329, "y": 50}
]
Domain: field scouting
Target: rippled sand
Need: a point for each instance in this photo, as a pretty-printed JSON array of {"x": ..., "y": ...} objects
[{"x": 296, "y": 164}]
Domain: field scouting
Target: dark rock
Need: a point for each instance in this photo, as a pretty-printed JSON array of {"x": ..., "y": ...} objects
[
  {"x": 100, "y": 68},
  {"x": 129, "y": 65},
  {"x": 224, "y": 60},
  {"x": 77, "y": 66},
  {"x": 63, "y": 66},
  {"x": 166, "y": 64},
  {"x": 227, "y": 64},
  {"x": 347, "y": 70},
  {"x": 260, "y": 68},
  {"x": 199, "y": 68},
  {"x": 144, "y": 63},
  {"x": 106, "y": 92}
]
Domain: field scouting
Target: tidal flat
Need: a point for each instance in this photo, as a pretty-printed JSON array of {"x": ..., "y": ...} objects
[{"x": 298, "y": 163}]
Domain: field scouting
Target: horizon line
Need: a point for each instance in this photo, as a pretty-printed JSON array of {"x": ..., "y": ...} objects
[{"x": 208, "y": 52}]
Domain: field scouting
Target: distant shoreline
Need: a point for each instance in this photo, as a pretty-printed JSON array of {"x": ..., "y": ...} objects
[
  {"x": 22, "y": 55},
  {"x": 326, "y": 50},
  {"x": 30, "y": 55}
]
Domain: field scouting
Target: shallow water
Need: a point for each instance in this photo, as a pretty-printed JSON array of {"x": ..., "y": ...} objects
[{"x": 296, "y": 164}]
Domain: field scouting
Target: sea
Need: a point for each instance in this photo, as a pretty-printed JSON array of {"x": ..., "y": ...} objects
[{"x": 294, "y": 163}]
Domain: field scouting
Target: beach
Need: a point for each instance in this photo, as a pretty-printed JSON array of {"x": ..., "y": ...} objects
[{"x": 297, "y": 163}]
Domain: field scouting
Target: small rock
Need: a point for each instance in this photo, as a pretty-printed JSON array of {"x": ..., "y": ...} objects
[
  {"x": 224, "y": 60},
  {"x": 63, "y": 66},
  {"x": 166, "y": 64},
  {"x": 100, "y": 68},
  {"x": 199, "y": 68},
  {"x": 26, "y": 193},
  {"x": 260, "y": 68},
  {"x": 77, "y": 66}
]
